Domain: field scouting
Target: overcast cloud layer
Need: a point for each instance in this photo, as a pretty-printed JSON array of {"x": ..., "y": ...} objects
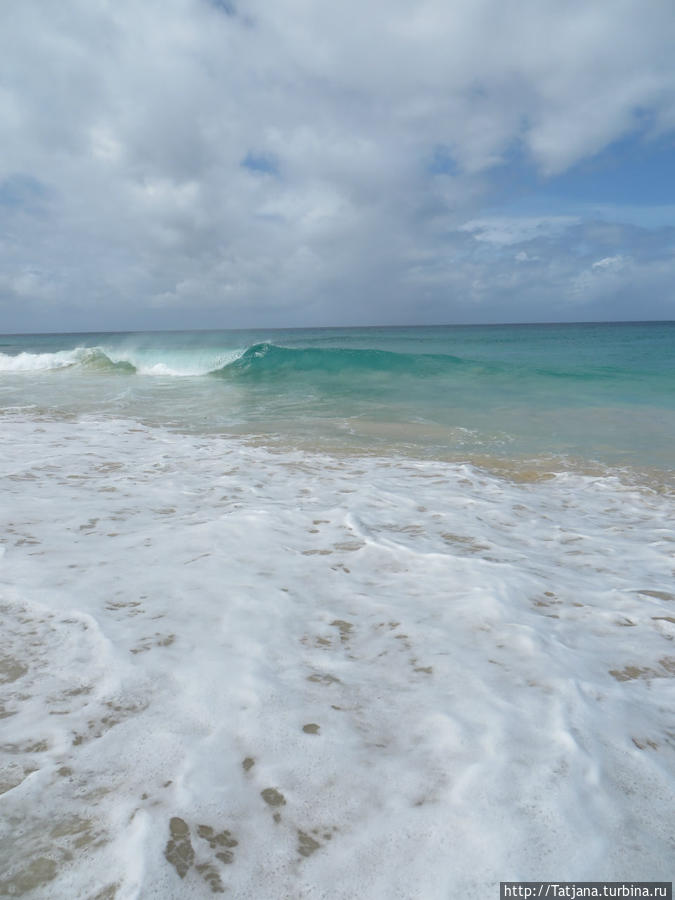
[{"x": 207, "y": 163}]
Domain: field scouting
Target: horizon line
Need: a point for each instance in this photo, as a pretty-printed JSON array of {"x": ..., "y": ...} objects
[{"x": 343, "y": 327}]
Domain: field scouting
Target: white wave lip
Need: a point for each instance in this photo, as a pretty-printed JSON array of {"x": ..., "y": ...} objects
[
  {"x": 179, "y": 365},
  {"x": 294, "y": 675},
  {"x": 144, "y": 362},
  {"x": 35, "y": 362}
]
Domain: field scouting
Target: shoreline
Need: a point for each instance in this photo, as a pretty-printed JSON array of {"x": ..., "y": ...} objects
[{"x": 520, "y": 467}]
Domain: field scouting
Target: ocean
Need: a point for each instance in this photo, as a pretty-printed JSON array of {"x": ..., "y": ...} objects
[{"x": 336, "y": 613}]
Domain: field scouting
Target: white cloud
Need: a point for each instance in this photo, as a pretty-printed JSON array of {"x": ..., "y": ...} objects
[
  {"x": 517, "y": 229},
  {"x": 609, "y": 263},
  {"x": 136, "y": 118},
  {"x": 23, "y": 285}
]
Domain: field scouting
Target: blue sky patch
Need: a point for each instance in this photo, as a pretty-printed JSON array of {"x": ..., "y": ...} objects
[
  {"x": 21, "y": 190},
  {"x": 260, "y": 162},
  {"x": 442, "y": 162},
  {"x": 630, "y": 181},
  {"x": 224, "y": 6}
]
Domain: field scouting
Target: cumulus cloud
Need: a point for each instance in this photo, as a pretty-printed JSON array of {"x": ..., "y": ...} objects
[
  {"x": 207, "y": 163},
  {"x": 517, "y": 230}
]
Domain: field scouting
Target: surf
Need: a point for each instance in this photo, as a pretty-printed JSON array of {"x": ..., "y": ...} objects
[{"x": 87, "y": 358}]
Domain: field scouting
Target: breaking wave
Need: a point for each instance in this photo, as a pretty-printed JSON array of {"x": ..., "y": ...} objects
[
  {"x": 259, "y": 361},
  {"x": 83, "y": 357},
  {"x": 270, "y": 361}
]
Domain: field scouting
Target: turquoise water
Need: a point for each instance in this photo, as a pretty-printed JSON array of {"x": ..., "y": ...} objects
[{"x": 603, "y": 392}]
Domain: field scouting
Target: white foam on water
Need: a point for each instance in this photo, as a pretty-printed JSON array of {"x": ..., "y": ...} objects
[
  {"x": 173, "y": 363},
  {"x": 284, "y": 674},
  {"x": 33, "y": 362},
  {"x": 146, "y": 362}
]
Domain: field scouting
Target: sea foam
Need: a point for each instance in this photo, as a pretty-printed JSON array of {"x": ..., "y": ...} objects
[
  {"x": 32, "y": 362},
  {"x": 297, "y": 674},
  {"x": 137, "y": 360}
]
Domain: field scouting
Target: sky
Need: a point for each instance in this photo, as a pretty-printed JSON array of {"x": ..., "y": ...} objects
[{"x": 172, "y": 164}]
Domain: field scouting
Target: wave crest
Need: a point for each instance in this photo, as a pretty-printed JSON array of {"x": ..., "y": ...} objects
[
  {"x": 83, "y": 357},
  {"x": 260, "y": 361},
  {"x": 269, "y": 360}
]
